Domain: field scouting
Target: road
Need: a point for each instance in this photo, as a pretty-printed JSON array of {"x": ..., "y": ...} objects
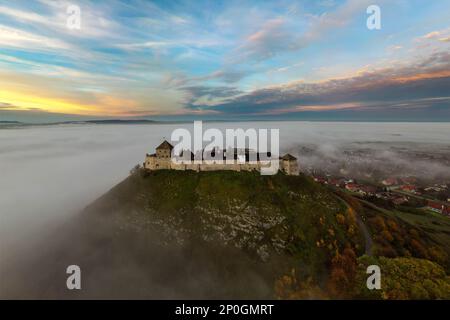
[
  {"x": 366, "y": 234},
  {"x": 362, "y": 227}
]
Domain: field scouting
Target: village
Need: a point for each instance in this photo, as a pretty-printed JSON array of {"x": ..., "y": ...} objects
[{"x": 407, "y": 192}]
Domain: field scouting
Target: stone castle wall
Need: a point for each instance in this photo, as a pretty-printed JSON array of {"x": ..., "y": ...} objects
[{"x": 153, "y": 162}]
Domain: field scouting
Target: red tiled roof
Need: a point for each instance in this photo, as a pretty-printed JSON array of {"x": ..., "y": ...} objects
[
  {"x": 351, "y": 186},
  {"x": 435, "y": 205},
  {"x": 390, "y": 181}
]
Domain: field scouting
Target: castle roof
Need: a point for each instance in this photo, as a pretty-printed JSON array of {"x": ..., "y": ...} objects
[
  {"x": 288, "y": 157},
  {"x": 165, "y": 145}
]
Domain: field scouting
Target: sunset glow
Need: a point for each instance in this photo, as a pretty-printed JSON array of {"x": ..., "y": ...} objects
[{"x": 225, "y": 59}]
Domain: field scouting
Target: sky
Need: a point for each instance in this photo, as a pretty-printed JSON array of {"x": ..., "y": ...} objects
[{"x": 227, "y": 60}]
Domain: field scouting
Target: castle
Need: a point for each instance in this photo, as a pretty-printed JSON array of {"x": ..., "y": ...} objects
[{"x": 242, "y": 161}]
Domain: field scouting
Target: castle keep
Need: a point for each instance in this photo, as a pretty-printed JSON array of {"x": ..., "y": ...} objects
[{"x": 241, "y": 161}]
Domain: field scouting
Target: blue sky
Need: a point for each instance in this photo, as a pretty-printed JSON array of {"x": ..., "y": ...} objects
[{"x": 225, "y": 60}]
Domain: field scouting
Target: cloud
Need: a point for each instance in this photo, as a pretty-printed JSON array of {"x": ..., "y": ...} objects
[
  {"x": 203, "y": 95},
  {"x": 80, "y": 93},
  {"x": 150, "y": 58},
  {"x": 16, "y": 38},
  {"x": 422, "y": 83},
  {"x": 25, "y": 16},
  {"x": 439, "y": 35},
  {"x": 285, "y": 34},
  {"x": 273, "y": 38},
  {"x": 5, "y": 105},
  {"x": 52, "y": 19},
  {"x": 227, "y": 75}
]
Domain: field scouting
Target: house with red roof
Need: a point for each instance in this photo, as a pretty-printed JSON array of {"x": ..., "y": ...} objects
[
  {"x": 390, "y": 181},
  {"x": 409, "y": 188},
  {"x": 352, "y": 187},
  {"x": 435, "y": 206}
]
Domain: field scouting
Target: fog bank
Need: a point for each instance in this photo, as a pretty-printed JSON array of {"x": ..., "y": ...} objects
[{"x": 50, "y": 173}]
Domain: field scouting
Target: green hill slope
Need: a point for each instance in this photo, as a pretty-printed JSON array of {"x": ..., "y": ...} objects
[
  {"x": 273, "y": 223},
  {"x": 234, "y": 235}
]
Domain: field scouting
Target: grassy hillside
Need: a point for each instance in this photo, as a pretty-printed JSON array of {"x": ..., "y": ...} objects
[
  {"x": 277, "y": 222},
  {"x": 409, "y": 234},
  {"x": 238, "y": 235}
]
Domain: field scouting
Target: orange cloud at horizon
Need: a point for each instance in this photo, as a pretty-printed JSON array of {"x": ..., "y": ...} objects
[
  {"x": 107, "y": 106},
  {"x": 424, "y": 76},
  {"x": 20, "y": 101},
  {"x": 339, "y": 106},
  {"x": 88, "y": 95}
]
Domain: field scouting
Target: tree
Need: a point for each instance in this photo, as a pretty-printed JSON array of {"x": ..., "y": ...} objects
[
  {"x": 403, "y": 278},
  {"x": 291, "y": 287},
  {"x": 342, "y": 274}
]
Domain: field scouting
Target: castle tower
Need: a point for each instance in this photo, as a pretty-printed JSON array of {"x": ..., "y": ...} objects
[
  {"x": 164, "y": 150},
  {"x": 289, "y": 165},
  {"x": 161, "y": 159}
]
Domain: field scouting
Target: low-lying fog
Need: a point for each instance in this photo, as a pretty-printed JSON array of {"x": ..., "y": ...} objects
[{"x": 48, "y": 173}]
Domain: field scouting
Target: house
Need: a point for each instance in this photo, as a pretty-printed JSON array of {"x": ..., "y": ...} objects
[
  {"x": 367, "y": 190},
  {"x": 353, "y": 187},
  {"x": 435, "y": 206},
  {"x": 434, "y": 188},
  {"x": 399, "y": 200},
  {"x": 409, "y": 188},
  {"x": 389, "y": 181}
]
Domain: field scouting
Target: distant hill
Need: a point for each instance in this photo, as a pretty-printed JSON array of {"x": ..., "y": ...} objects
[
  {"x": 110, "y": 121},
  {"x": 77, "y": 122},
  {"x": 10, "y": 124}
]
